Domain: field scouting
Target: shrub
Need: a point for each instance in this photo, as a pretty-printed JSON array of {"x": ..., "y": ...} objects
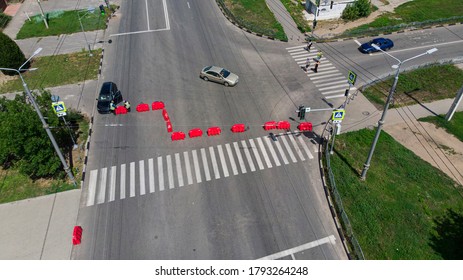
[
  {"x": 358, "y": 9},
  {"x": 4, "y": 20},
  {"x": 11, "y": 55}
]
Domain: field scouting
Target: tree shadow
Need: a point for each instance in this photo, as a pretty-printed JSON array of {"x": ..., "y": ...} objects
[{"x": 447, "y": 239}]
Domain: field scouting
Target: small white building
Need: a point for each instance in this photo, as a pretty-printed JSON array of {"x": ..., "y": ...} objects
[{"x": 327, "y": 10}]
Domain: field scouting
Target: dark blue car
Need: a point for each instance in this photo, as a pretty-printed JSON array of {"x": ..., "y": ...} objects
[{"x": 383, "y": 43}]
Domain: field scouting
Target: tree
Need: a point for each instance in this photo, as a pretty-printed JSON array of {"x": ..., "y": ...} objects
[
  {"x": 358, "y": 9},
  {"x": 24, "y": 144},
  {"x": 11, "y": 55}
]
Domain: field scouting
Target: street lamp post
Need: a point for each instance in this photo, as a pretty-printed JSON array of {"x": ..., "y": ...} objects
[
  {"x": 45, "y": 125},
  {"x": 366, "y": 165},
  {"x": 89, "y": 10}
]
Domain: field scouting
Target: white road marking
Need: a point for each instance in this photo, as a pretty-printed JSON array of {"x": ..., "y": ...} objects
[
  {"x": 102, "y": 189},
  {"x": 222, "y": 160},
  {"x": 147, "y": 15},
  {"x": 296, "y": 147},
  {"x": 312, "y": 77},
  {"x": 297, "y": 47},
  {"x": 288, "y": 148},
  {"x": 138, "y": 32},
  {"x": 188, "y": 168},
  {"x": 92, "y": 187},
  {"x": 122, "y": 181},
  {"x": 333, "y": 87},
  {"x": 141, "y": 165},
  {"x": 215, "y": 167},
  {"x": 160, "y": 174},
  {"x": 306, "y": 149},
  {"x": 290, "y": 252},
  {"x": 248, "y": 156},
  {"x": 188, "y": 3},
  {"x": 358, "y": 43},
  {"x": 112, "y": 184},
  {"x": 329, "y": 79},
  {"x": 205, "y": 165},
  {"x": 151, "y": 174},
  {"x": 264, "y": 152},
  {"x": 196, "y": 165},
  {"x": 232, "y": 159},
  {"x": 179, "y": 170},
  {"x": 170, "y": 172},
  {"x": 334, "y": 96},
  {"x": 281, "y": 150},
  {"x": 256, "y": 154},
  {"x": 132, "y": 179},
  {"x": 272, "y": 150},
  {"x": 166, "y": 14},
  {"x": 240, "y": 159}
]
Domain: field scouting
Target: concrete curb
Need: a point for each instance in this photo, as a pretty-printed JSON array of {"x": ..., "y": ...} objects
[{"x": 330, "y": 40}]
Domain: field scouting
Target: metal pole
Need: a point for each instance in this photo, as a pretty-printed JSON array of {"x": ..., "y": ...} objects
[
  {"x": 70, "y": 134},
  {"x": 455, "y": 104},
  {"x": 43, "y": 15},
  {"x": 380, "y": 124},
  {"x": 335, "y": 127},
  {"x": 85, "y": 36},
  {"x": 45, "y": 125}
]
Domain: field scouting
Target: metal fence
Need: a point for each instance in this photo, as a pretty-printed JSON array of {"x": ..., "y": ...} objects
[
  {"x": 243, "y": 23},
  {"x": 352, "y": 242}
]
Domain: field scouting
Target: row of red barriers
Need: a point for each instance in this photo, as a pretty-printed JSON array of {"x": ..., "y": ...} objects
[
  {"x": 165, "y": 115},
  {"x": 237, "y": 128},
  {"x": 156, "y": 105},
  {"x": 178, "y": 135},
  {"x": 77, "y": 235},
  {"x": 142, "y": 107},
  {"x": 305, "y": 126},
  {"x": 215, "y": 130},
  {"x": 195, "y": 132},
  {"x": 277, "y": 125}
]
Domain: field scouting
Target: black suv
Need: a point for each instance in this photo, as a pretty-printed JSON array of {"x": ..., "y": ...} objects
[{"x": 108, "y": 93}]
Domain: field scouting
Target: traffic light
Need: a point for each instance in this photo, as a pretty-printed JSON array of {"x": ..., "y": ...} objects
[
  {"x": 102, "y": 10},
  {"x": 301, "y": 113}
]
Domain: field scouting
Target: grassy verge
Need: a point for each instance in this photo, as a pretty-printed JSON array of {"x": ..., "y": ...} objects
[
  {"x": 401, "y": 209},
  {"x": 418, "y": 86},
  {"x": 454, "y": 126},
  {"x": 416, "y": 12},
  {"x": 295, "y": 10},
  {"x": 63, "y": 22},
  {"x": 57, "y": 70},
  {"x": 256, "y": 16}
]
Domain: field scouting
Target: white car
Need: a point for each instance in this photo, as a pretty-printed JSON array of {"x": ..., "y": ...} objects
[{"x": 219, "y": 75}]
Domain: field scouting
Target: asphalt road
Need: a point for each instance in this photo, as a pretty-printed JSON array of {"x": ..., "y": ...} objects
[{"x": 232, "y": 196}]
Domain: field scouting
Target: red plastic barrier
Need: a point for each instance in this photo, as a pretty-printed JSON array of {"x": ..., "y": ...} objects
[
  {"x": 215, "y": 130},
  {"x": 157, "y": 105},
  {"x": 195, "y": 132},
  {"x": 77, "y": 235},
  {"x": 165, "y": 115},
  {"x": 121, "y": 110},
  {"x": 238, "y": 128},
  {"x": 305, "y": 126},
  {"x": 142, "y": 107},
  {"x": 284, "y": 125},
  {"x": 270, "y": 125},
  {"x": 169, "y": 126},
  {"x": 178, "y": 135}
]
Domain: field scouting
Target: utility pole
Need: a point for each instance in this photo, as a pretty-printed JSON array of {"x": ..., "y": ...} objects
[
  {"x": 455, "y": 104},
  {"x": 43, "y": 15}
]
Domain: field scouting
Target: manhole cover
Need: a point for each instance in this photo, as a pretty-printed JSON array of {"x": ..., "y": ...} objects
[{"x": 365, "y": 113}]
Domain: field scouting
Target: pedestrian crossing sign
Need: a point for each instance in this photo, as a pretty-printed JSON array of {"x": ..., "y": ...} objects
[
  {"x": 352, "y": 77},
  {"x": 338, "y": 115},
  {"x": 59, "y": 108}
]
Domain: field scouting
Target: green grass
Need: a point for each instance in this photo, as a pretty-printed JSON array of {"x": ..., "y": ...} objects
[
  {"x": 421, "y": 85},
  {"x": 295, "y": 10},
  {"x": 15, "y": 186},
  {"x": 455, "y": 126},
  {"x": 57, "y": 70},
  {"x": 416, "y": 11},
  {"x": 257, "y": 17},
  {"x": 396, "y": 212},
  {"x": 66, "y": 22}
]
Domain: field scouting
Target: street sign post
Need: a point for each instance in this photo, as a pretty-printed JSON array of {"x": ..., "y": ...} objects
[
  {"x": 352, "y": 77},
  {"x": 338, "y": 115},
  {"x": 59, "y": 108}
]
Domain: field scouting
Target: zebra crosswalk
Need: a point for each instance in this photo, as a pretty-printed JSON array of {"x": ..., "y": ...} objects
[
  {"x": 196, "y": 166},
  {"x": 330, "y": 81}
]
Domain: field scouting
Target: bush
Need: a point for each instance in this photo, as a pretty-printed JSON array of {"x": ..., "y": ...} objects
[
  {"x": 11, "y": 55},
  {"x": 360, "y": 8}
]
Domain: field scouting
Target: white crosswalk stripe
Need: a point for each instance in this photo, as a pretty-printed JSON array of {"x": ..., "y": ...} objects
[
  {"x": 103, "y": 182},
  {"x": 179, "y": 170},
  {"x": 189, "y": 177},
  {"x": 326, "y": 72}
]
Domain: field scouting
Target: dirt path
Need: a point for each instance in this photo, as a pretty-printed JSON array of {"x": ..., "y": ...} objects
[{"x": 330, "y": 28}]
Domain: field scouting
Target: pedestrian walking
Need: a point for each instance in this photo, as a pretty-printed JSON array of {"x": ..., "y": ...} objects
[
  {"x": 309, "y": 45},
  {"x": 319, "y": 55},
  {"x": 316, "y": 66},
  {"x": 307, "y": 64},
  {"x": 127, "y": 105},
  {"x": 112, "y": 107}
]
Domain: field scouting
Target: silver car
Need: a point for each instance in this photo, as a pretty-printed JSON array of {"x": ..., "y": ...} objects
[{"x": 219, "y": 75}]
